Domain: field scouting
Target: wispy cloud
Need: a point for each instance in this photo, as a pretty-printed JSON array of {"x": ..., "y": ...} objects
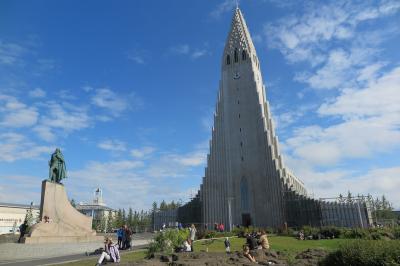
[
  {"x": 185, "y": 49},
  {"x": 11, "y": 53},
  {"x": 15, "y": 114},
  {"x": 15, "y": 147},
  {"x": 37, "y": 93},
  {"x": 112, "y": 145},
  {"x": 110, "y": 100},
  {"x": 223, "y": 7}
]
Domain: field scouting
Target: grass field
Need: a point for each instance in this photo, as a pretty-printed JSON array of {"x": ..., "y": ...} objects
[{"x": 287, "y": 245}]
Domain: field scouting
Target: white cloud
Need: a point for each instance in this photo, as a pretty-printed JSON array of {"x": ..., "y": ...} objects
[
  {"x": 180, "y": 49},
  {"x": 333, "y": 182},
  {"x": 15, "y": 113},
  {"x": 308, "y": 37},
  {"x": 142, "y": 152},
  {"x": 380, "y": 98},
  {"x": 199, "y": 53},
  {"x": 37, "y": 93},
  {"x": 185, "y": 49},
  {"x": 15, "y": 147},
  {"x": 112, "y": 145},
  {"x": 224, "y": 7},
  {"x": 108, "y": 99},
  {"x": 10, "y": 53},
  {"x": 68, "y": 117}
]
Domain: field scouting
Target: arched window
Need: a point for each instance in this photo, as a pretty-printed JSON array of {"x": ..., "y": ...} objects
[
  {"x": 236, "y": 56},
  {"x": 244, "y": 195},
  {"x": 244, "y": 55},
  {"x": 228, "y": 59}
]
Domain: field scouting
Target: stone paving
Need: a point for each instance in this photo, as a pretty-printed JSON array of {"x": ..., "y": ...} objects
[{"x": 13, "y": 252}]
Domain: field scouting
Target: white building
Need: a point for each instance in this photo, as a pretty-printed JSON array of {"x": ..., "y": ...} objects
[{"x": 13, "y": 215}]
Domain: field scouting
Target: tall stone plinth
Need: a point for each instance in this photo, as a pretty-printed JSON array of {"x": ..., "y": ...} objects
[{"x": 65, "y": 223}]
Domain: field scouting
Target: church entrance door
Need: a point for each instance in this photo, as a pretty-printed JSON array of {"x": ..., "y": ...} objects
[{"x": 246, "y": 219}]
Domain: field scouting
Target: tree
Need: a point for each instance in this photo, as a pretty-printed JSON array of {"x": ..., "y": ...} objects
[
  {"x": 163, "y": 206},
  {"x": 154, "y": 207},
  {"x": 123, "y": 217},
  {"x": 29, "y": 216},
  {"x": 349, "y": 197},
  {"x": 130, "y": 218},
  {"x": 110, "y": 221}
]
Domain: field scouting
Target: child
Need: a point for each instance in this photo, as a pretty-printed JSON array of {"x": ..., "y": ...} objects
[{"x": 227, "y": 245}]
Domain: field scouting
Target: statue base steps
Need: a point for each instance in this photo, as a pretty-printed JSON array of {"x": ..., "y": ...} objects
[{"x": 63, "y": 239}]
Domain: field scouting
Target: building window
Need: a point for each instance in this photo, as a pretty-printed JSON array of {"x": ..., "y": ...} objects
[
  {"x": 228, "y": 59},
  {"x": 236, "y": 56},
  {"x": 244, "y": 55}
]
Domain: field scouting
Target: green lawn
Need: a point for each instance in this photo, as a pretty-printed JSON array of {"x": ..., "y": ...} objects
[
  {"x": 287, "y": 245},
  {"x": 125, "y": 256}
]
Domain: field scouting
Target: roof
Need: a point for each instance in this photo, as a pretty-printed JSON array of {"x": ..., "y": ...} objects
[
  {"x": 93, "y": 207},
  {"x": 16, "y": 205}
]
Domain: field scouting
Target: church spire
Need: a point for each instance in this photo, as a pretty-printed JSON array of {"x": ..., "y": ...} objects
[{"x": 239, "y": 37}]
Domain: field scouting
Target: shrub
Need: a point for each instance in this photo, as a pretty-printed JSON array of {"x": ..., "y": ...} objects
[
  {"x": 365, "y": 252},
  {"x": 330, "y": 232},
  {"x": 310, "y": 231},
  {"x": 167, "y": 241},
  {"x": 357, "y": 233}
]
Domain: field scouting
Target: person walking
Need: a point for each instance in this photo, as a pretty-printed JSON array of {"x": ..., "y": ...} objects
[
  {"x": 192, "y": 232},
  {"x": 111, "y": 253}
]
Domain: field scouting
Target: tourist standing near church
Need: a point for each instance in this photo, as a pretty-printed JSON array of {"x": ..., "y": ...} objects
[
  {"x": 120, "y": 235},
  {"x": 111, "y": 253},
  {"x": 192, "y": 231}
]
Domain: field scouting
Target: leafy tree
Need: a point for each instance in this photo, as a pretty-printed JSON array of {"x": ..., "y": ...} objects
[
  {"x": 163, "y": 206},
  {"x": 154, "y": 207},
  {"x": 110, "y": 221},
  {"x": 130, "y": 218}
]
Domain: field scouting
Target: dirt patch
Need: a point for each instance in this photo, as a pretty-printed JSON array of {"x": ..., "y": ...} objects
[
  {"x": 310, "y": 257},
  {"x": 211, "y": 259}
]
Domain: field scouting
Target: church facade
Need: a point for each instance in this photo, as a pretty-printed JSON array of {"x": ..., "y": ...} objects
[
  {"x": 246, "y": 181},
  {"x": 245, "y": 177}
]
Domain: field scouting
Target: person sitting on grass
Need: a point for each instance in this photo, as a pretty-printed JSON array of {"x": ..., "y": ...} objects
[
  {"x": 187, "y": 245},
  {"x": 246, "y": 253},
  {"x": 263, "y": 241},
  {"x": 111, "y": 253}
]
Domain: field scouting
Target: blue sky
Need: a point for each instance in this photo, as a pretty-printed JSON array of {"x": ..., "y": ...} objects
[{"x": 127, "y": 91}]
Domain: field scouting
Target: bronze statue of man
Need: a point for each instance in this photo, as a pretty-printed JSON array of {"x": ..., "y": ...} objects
[{"x": 57, "y": 170}]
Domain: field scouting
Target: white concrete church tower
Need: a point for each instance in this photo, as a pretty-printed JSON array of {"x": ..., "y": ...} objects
[{"x": 245, "y": 179}]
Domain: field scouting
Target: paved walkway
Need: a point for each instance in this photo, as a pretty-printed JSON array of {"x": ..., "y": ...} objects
[
  {"x": 57, "y": 260},
  {"x": 27, "y": 254}
]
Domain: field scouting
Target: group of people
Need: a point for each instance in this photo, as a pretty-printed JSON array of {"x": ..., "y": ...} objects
[
  {"x": 256, "y": 240},
  {"x": 219, "y": 227},
  {"x": 124, "y": 236},
  {"x": 187, "y": 245}
]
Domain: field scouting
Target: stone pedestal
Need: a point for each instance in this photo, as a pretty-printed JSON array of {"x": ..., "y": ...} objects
[{"x": 66, "y": 224}]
